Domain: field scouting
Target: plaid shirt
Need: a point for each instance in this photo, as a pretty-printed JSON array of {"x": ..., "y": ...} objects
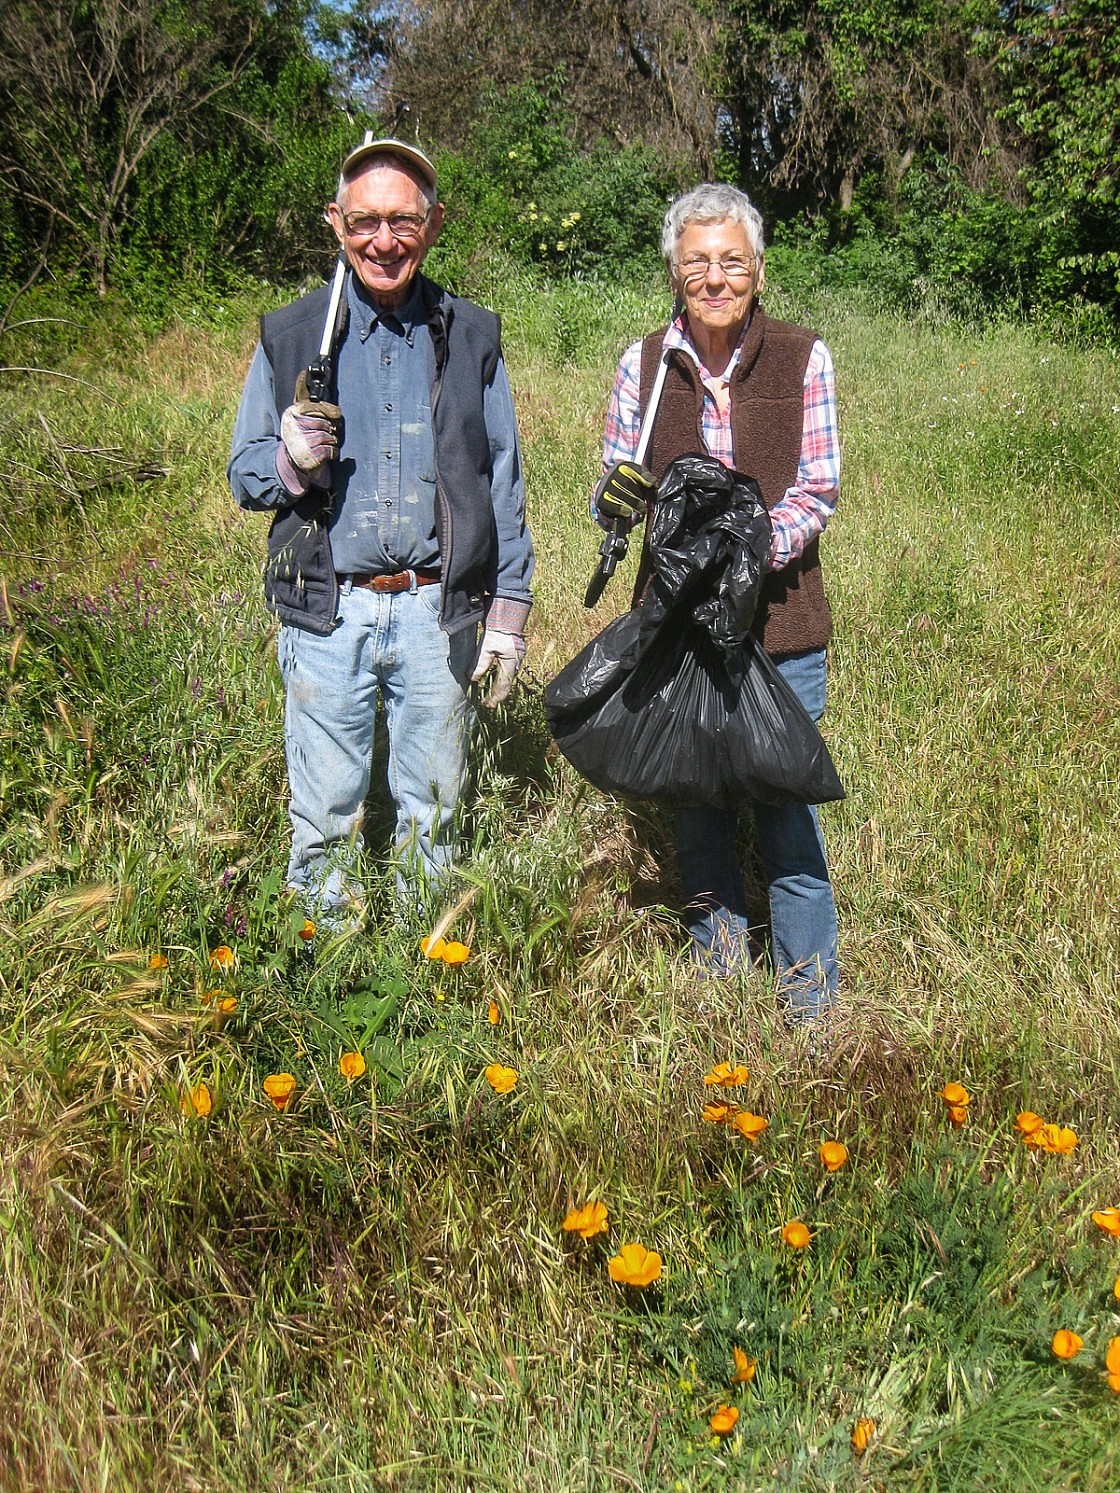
[{"x": 809, "y": 504}]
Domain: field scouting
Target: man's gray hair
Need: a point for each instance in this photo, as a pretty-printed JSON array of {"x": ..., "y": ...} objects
[
  {"x": 713, "y": 202},
  {"x": 427, "y": 191}
]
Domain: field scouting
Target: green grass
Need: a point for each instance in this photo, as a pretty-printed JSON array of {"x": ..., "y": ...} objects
[{"x": 372, "y": 1289}]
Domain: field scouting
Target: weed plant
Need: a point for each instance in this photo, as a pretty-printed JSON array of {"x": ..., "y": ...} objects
[{"x": 371, "y": 1288}]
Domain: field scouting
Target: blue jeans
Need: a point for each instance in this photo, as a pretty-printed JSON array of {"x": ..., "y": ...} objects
[
  {"x": 803, "y": 936},
  {"x": 387, "y": 646}
]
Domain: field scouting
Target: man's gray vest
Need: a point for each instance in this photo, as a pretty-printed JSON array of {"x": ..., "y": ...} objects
[{"x": 299, "y": 579}]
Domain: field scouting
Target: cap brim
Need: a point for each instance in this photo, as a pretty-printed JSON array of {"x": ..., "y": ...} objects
[{"x": 410, "y": 154}]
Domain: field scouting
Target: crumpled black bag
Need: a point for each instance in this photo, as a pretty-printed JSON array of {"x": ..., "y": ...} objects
[{"x": 677, "y": 702}]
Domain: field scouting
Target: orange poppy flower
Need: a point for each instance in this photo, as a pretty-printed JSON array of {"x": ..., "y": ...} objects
[
  {"x": 723, "y": 1420},
  {"x": 587, "y": 1221},
  {"x": 720, "y": 1112},
  {"x": 158, "y": 961},
  {"x": 280, "y": 1087},
  {"x": 308, "y": 930},
  {"x": 724, "y": 1076},
  {"x": 206, "y": 996},
  {"x": 1112, "y": 1364},
  {"x": 955, "y": 1096},
  {"x": 222, "y": 957},
  {"x": 635, "y": 1265},
  {"x": 958, "y": 1115},
  {"x": 198, "y": 1101},
  {"x": 432, "y": 947},
  {"x": 500, "y": 1079},
  {"x": 833, "y": 1154},
  {"x": 748, "y": 1125},
  {"x": 1027, "y": 1122},
  {"x": 1108, "y": 1221},
  {"x": 1059, "y": 1140},
  {"x": 744, "y": 1367},
  {"x": 862, "y": 1432},
  {"x": 796, "y": 1234},
  {"x": 227, "y": 1005},
  {"x": 351, "y": 1065},
  {"x": 455, "y": 953},
  {"x": 494, "y": 1015},
  {"x": 1066, "y": 1344}
]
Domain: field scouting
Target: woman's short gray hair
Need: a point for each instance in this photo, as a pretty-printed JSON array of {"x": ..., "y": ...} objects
[{"x": 713, "y": 202}]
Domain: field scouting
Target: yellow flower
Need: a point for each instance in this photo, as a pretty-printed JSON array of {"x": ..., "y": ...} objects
[
  {"x": 795, "y": 1234},
  {"x": 744, "y": 1367},
  {"x": 833, "y": 1154},
  {"x": 500, "y": 1079},
  {"x": 1066, "y": 1344},
  {"x": 720, "y": 1113},
  {"x": 958, "y": 1115},
  {"x": 158, "y": 961},
  {"x": 308, "y": 930},
  {"x": 862, "y": 1432},
  {"x": 222, "y": 957},
  {"x": 955, "y": 1096},
  {"x": 723, "y": 1420},
  {"x": 1027, "y": 1122},
  {"x": 635, "y": 1265},
  {"x": 587, "y": 1221},
  {"x": 227, "y": 1004},
  {"x": 494, "y": 1015},
  {"x": 198, "y": 1101},
  {"x": 1112, "y": 1364},
  {"x": 1108, "y": 1221},
  {"x": 351, "y": 1065},
  {"x": 433, "y": 947},
  {"x": 280, "y": 1087},
  {"x": 724, "y": 1076},
  {"x": 748, "y": 1125},
  {"x": 455, "y": 953}
]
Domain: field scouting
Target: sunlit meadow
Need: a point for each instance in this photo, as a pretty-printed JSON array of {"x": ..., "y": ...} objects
[{"x": 505, "y": 1198}]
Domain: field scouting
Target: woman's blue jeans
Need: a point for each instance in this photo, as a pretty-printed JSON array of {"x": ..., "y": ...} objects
[
  {"x": 389, "y": 647},
  {"x": 803, "y": 935}
]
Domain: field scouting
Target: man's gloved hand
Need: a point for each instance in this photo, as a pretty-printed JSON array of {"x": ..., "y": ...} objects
[
  {"x": 624, "y": 493},
  {"x": 503, "y": 650},
  {"x": 309, "y": 433}
]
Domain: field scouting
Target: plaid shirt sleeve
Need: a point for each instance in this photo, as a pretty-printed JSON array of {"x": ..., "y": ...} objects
[
  {"x": 809, "y": 504},
  {"x": 620, "y": 439}
]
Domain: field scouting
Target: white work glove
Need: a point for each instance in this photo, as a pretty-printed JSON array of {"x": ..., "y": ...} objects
[
  {"x": 503, "y": 652},
  {"x": 309, "y": 440}
]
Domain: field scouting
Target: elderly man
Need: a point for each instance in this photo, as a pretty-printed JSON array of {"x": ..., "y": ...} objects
[
  {"x": 759, "y": 395},
  {"x": 398, "y": 531}
]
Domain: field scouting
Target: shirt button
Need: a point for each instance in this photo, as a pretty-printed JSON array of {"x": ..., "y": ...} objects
[{"x": 388, "y": 409}]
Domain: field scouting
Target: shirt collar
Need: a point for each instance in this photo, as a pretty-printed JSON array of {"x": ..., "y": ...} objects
[
  {"x": 402, "y": 320},
  {"x": 677, "y": 336}
]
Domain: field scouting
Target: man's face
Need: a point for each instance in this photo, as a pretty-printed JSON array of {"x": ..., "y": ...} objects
[
  {"x": 385, "y": 262},
  {"x": 716, "y": 272}
]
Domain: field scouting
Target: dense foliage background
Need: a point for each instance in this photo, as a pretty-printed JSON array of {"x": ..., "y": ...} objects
[{"x": 968, "y": 148}]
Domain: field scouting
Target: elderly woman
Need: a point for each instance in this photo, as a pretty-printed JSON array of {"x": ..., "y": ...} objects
[{"x": 758, "y": 395}]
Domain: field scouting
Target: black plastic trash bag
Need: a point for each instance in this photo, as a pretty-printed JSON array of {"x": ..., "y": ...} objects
[{"x": 676, "y": 702}]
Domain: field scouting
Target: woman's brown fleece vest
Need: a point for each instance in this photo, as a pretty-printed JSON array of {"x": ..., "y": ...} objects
[{"x": 767, "y": 417}]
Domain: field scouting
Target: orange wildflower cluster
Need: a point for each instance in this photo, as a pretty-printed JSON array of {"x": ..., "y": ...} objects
[
  {"x": 448, "y": 952},
  {"x": 725, "y": 1076},
  {"x": 1038, "y": 1135},
  {"x": 500, "y": 1078},
  {"x": 723, "y": 1111},
  {"x": 197, "y": 1101},
  {"x": 862, "y": 1432},
  {"x": 587, "y": 1221},
  {"x": 956, "y": 1099},
  {"x": 635, "y": 1265},
  {"x": 280, "y": 1087}
]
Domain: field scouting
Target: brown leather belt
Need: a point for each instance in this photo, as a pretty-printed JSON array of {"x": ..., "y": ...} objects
[{"x": 400, "y": 580}]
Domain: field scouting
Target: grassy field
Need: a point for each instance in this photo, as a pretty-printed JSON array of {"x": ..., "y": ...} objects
[{"x": 372, "y": 1288}]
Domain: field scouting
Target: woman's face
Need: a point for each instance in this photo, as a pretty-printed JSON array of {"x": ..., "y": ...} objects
[{"x": 717, "y": 274}]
